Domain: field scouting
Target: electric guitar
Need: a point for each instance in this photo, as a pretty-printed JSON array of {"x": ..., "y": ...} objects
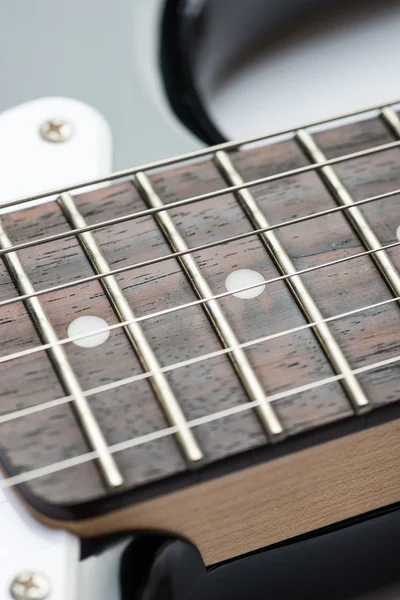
[{"x": 203, "y": 348}]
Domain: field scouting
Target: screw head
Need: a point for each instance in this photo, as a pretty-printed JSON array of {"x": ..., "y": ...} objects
[
  {"x": 56, "y": 131},
  {"x": 30, "y": 586}
]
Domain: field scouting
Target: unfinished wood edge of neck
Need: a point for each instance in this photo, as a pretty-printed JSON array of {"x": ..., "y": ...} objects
[{"x": 271, "y": 502}]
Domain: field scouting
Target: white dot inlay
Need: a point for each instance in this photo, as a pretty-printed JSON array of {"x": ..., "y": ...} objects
[
  {"x": 398, "y": 233},
  {"x": 88, "y": 324},
  {"x": 242, "y": 278}
]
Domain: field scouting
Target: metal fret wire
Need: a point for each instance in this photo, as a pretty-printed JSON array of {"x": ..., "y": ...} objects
[
  {"x": 390, "y": 118},
  {"x": 192, "y": 155},
  {"x": 296, "y": 285},
  {"x": 165, "y": 257},
  {"x": 86, "y": 419},
  {"x": 354, "y": 215},
  {"x": 42, "y": 347},
  {"x": 214, "y": 312},
  {"x": 119, "y": 447},
  {"x": 134, "y": 333},
  {"x": 89, "y": 456},
  {"x": 200, "y": 197},
  {"x": 128, "y": 380}
]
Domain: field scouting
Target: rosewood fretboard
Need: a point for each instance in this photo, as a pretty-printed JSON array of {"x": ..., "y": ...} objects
[{"x": 251, "y": 374}]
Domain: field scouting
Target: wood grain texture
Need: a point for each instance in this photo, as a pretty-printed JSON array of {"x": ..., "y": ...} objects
[
  {"x": 209, "y": 386},
  {"x": 347, "y": 286},
  {"x": 272, "y": 502},
  {"x": 202, "y": 388},
  {"x": 298, "y": 355}
]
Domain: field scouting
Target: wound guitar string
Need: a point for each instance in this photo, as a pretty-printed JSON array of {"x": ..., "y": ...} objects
[
  {"x": 172, "y": 255},
  {"x": 179, "y": 307},
  {"x": 371, "y": 111},
  {"x": 27, "y": 476},
  {"x": 208, "y": 195}
]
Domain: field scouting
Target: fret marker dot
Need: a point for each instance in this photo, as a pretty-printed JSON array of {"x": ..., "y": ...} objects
[
  {"x": 242, "y": 278},
  {"x": 398, "y": 233},
  {"x": 88, "y": 324}
]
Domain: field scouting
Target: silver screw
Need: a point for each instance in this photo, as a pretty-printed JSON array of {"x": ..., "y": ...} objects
[
  {"x": 56, "y": 131},
  {"x": 30, "y": 586}
]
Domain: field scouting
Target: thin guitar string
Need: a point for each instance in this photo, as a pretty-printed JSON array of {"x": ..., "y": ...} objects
[
  {"x": 115, "y": 384},
  {"x": 202, "y": 197},
  {"x": 255, "y": 232},
  {"x": 179, "y": 307},
  {"x": 13, "y": 481},
  {"x": 140, "y": 440},
  {"x": 188, "y": 362},
  {"x": 174, "y": 255},
  {"x": 231, "y": 145}
]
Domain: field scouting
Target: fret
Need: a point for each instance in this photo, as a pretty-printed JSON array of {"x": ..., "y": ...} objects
[
  {"x": 86, "y": 419},
  {"x": 29, "y": 442},
  {"x": 201, "y": 389},
  {"x": 349, "y": 285},
  {"x": 392, "y": 119},
  {"x": 384, "y": 215},
  {"x": 204, "y": 387},
  {"x": 134, "y": 332},
  {"x": 124, "y": 412},
  {"x": 299, "y": 355},
  {"x": 228, "y": 338},
  {"x": 285, "y": 265},
  {"x": 353, "y": 214},
  {"x": 280, "y": 365},
  {"x": 376, "y": 334}
]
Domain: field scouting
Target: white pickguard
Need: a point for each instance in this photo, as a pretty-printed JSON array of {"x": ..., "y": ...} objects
[
  {"x": 26, "y": 545},
  {"x": 36, "y": 165}
]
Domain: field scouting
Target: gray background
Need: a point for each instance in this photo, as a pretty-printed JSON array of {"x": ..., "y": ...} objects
[{"x": 99, "y": 52}]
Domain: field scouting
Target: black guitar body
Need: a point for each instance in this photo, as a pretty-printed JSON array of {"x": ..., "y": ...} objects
[{"x": 359, "y": 561}]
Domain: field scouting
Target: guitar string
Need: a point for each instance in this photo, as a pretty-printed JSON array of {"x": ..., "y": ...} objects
[
  {"x": 168, "y": 431},
  {"x": 254, "y": 232},
  {"x": 140, "y": 440},
  {"x": 201, "y": 197},
  {"x": 173, "y": 255},
  {"x": 179, "y": 307},
  {"x": 188, "y": 362},
  {"x": 375, "y": 110}
]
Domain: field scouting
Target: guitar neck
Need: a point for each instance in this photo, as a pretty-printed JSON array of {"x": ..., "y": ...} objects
[{"x": 242, "y": 299}]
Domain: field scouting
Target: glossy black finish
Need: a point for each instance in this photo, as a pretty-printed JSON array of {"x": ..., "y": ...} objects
[
  {"x": 354, "y": 563},
  {"x": 155, "y": 568}
]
